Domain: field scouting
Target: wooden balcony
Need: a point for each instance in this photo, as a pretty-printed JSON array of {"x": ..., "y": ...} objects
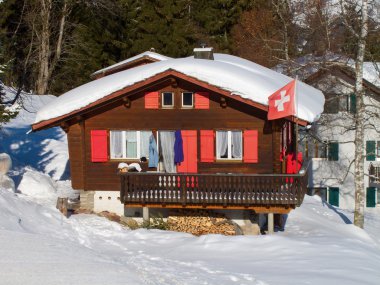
[{"x": 263, "y": 193}]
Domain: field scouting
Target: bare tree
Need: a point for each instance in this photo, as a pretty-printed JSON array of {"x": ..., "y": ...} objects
[
  {"x": 49, "y": 53},
  {"x": 359, "y": 122},
  {"x": 360, "y": 33}
]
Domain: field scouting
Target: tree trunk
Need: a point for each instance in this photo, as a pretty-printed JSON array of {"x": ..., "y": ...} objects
[
  {"x": 44, "y": 49},
  {"x": 58, "y": 49},
  {"x": 47, "y": 62},
  {"x": 359, "y": 122}
]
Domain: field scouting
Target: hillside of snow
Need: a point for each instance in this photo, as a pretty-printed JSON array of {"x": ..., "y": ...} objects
[{"x": 40, "y": 246}]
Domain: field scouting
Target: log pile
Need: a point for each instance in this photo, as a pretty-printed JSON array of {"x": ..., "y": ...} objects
[{"x": 200, "y": 222}]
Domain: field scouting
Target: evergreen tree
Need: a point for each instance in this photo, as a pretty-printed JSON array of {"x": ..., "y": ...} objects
[
  {"x": 15, "y": 39},
  {"x": 6, "y": 112},
  {"x": 216, "y": 19},
  {"x": 163, "y": 25}
]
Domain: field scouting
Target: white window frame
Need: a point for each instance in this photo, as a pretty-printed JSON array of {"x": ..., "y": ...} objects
[
  {"x": 229, "y": 145},
  {"x": 162, "y": 100},
  {"x": 192, "y": 100},
  {"x": 124, "y": 146}
]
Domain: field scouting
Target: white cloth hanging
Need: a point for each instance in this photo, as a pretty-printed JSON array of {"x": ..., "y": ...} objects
[
  {"x": 116, "y": 144},
  {"x": 236, "y": 144},
  {"x": 167, "y": 140},
  {"x": 221, "y": 144}
]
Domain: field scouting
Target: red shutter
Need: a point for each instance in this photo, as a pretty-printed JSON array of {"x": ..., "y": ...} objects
[
  {"x": 99, "y": 146},
  {"x": 202, "y": 100},
  {"x": 190, "y": 162},
  {"x": 207, "y": 146},
  {"x": 151, "y": 100},
  {"x": 251, "y": 146}
]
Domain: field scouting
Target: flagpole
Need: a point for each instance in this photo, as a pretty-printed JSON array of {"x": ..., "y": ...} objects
[{"x": 296, "y": 99}]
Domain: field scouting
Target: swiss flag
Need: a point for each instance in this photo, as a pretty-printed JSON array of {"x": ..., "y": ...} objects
[{"x": 282, "y": 102}]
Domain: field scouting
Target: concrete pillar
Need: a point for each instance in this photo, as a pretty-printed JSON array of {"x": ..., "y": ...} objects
[
  {"x": 270, "y": 223},
  {"x": 146, "y": 217}
]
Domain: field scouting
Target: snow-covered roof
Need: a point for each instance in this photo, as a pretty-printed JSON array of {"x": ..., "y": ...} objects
[
  {"x": 149, "y": 54},
  {"x": 238, "y": 76}
]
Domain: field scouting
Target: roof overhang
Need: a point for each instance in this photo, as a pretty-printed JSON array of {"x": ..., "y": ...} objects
[{"x": 145, "y": 85}]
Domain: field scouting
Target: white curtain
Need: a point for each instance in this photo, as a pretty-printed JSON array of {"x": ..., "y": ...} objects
[
  {"x": 221, "y": 144},
  {"x": 144, "y": 143},
  {"x": 167, "y": 139},
  {"x": 116, "y": 144},
  {"x": 131, "y": 143},
  {"x": 236, "y": 141}
]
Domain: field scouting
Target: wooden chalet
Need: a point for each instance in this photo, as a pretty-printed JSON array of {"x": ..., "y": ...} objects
[{"x": 233, "y": 157}]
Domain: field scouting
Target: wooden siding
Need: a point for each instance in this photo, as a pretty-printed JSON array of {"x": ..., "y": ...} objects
[
  {"x": 116, "y": 116},
  {"x": 74, "y": 136}
]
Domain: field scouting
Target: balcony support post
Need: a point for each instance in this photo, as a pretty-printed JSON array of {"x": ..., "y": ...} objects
[
  {"x": 146, "y": 216},
  {"x": 270, "y": 223}
]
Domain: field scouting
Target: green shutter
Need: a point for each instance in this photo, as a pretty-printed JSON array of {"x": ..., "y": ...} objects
[
  {"x": 333, "y": 151},
  {"x": 334, "y": 196},
  {"x": 371, "y": 150},
  {"x": 353, "y": 103},
  {"x": 371, "y": 197}
]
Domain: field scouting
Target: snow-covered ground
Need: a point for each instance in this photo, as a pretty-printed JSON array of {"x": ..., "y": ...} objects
[{"x": 39, "y": 246}]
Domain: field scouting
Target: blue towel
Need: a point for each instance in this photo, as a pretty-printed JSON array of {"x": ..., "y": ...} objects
[
  {"x": 153, "y": 153},
  {"x": 178, "y": 148}
]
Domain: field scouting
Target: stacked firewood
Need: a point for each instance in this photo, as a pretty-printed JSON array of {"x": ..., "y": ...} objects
[{"x": 200, "y": 222}]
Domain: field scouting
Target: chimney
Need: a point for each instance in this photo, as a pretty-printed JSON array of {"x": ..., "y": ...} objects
[{"x": 204, "y": 52}]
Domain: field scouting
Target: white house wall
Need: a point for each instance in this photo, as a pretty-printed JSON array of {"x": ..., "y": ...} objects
[{"x": 336, "y": 127}]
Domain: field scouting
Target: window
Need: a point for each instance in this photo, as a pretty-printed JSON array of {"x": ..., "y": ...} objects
[
  {"x": 333, "y": 151},
  {"x": 168, "y": 99},
  {"x": 374, "y": 174},
  {"x": 371, "y": 197},
  {"x": 315, "y": 148},
  {"x": 340, "y": 103},
  {"x": 129, "y": 144},
  {"x": 187, "y": 99},
  {"x": 319, "y": 191},
  {"x": 334, "y": 196},
  {"x": 229, "y": 145},
  {"x": 373, "y": 150}
]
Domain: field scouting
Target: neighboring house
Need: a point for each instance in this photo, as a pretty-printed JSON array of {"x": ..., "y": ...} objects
[
  {"x": 216, "y": 104},
  {"x": 330, "y": 142}
]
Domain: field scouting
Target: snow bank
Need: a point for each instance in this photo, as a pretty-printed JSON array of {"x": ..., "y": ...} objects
[
  {"x": 240, "y": 77},
  {"x": 5, "y": 163},
  {"x": 37, "y": 185},
  {"x": 41, "y": 247}
]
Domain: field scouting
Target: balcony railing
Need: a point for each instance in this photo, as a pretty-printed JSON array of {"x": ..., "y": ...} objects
[{"x": 157, "y": 189}]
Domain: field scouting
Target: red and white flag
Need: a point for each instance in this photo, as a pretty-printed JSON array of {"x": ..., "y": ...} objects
[{"x": 282, "y": 103}]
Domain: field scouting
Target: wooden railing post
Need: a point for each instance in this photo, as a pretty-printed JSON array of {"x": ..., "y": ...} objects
[
  {"x": 183, "y": 190},
  {"x": 122, "y": 188}
]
